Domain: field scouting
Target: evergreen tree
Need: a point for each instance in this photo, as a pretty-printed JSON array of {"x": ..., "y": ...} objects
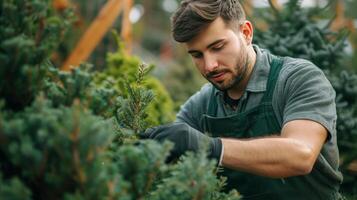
[
  {"x": 64, "y": 137},
  {"x": 28, "y": 31},
  {"x": 296, "y": 32}
]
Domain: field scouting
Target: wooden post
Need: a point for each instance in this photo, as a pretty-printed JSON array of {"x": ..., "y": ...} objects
[
  {"x": 275, "y": 4},
  {"x": 126, "y": 32},
  {"x": 61, "y": 4},
  {"x": 342, "y": 22},
  {"x": 353, "y": 167},
  {"x": 248, "y": 7},
  {"x": 339, "y": 21},
  {"x": 94, "y": 33}
]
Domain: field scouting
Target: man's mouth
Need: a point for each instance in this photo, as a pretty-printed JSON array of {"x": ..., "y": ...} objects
[{"x": 218, "y": 77}]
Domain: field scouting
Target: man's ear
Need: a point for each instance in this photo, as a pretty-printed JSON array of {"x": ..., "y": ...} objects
[{"x": 247, "y": 31}]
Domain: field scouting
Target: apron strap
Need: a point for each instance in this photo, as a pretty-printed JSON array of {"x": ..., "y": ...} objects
[
  {"x": 275, "y": 67},
  {"x": 212, "y": 105}
]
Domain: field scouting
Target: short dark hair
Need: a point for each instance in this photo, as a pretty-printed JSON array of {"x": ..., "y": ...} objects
[{"x": 193, "y": 15}]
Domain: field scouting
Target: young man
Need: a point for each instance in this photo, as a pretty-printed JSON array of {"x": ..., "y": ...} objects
[{"x": 270, "y": 120}]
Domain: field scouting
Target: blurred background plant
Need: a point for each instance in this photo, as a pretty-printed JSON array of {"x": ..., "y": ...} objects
[{"x": 150, "y": 37}]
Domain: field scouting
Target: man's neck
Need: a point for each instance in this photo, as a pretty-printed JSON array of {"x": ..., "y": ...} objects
[{"x": 237, "y": 91}]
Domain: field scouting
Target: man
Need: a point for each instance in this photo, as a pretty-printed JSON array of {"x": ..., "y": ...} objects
[{"x": 270, "y": 120}]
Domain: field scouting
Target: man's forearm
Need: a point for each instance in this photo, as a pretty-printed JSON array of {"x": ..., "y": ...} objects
[{"x": 275, "y": 157}]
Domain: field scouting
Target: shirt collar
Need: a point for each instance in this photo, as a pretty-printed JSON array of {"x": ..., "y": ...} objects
[{"x": 258, "y": 79}]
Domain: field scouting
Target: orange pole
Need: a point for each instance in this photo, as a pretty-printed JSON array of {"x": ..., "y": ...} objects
[
  {"x": 126, "y": 32},
  {"x": 94, "y": 34},
  {"x": 61, "y": 4},
  {"x": 339, "y": 22},
  {"x": 276, "y": 4},
  {"x": 353, "y": 167},
  {"x": 342, "y": 22},
  {"x": 248, "y": 7}
]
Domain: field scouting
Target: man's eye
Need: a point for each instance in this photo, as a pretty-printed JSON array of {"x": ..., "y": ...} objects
[
  {"x": 196, "y": 55},
  {"x": 217, "y": 48}
]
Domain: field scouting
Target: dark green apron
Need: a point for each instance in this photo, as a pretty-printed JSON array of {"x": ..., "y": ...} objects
[{"x": 261, "y": 121}]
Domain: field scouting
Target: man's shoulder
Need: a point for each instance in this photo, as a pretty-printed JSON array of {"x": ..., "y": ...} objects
[
  {"x": 300, "y": 72},
  {"x": 206, "y": 88},
  {"x": 202, "y": 96},
  {"x": 299, "y": 76},
  {"x": 293, "y": 66},
  {"x": 200, "y": 99},
  {"x": 191, "y": 111}
]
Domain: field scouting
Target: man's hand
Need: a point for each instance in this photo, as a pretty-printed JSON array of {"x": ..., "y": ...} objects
[{"x": 185, "y": 138}]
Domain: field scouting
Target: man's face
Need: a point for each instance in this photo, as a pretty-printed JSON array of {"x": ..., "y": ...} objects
[{"x": 220, "y": 54}]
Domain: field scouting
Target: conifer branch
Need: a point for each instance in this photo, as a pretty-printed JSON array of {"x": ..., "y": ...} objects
[
  {"x": 74, "y": 136},
  {"x": 131, "y": 112}
]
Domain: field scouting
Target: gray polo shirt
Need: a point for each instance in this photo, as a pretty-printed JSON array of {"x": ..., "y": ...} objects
[{"x": 302, "y": 92}]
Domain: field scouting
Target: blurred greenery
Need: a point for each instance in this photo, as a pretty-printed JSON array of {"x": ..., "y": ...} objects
[{"x": 153, "y": 43}]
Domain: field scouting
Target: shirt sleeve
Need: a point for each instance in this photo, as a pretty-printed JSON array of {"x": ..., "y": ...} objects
[
  {"x": 192, "y": 110},
  {"x": 307, "y": 94}
]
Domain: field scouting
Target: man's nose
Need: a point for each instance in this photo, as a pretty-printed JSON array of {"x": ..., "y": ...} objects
[{"x": 210, "y": 63}]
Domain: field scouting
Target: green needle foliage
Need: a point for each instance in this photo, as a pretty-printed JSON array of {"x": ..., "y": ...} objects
[
  {"x": 184, "y": 183},
  {"x": 63, "y": 88},
  {"x": 296, "y": 32},
  {"x": 13, "y": 189},
  {"x": 141, "y": 166},
  {"x": 29, "y": 32},
  {"x": 55, "y": 151},
  {"x": 73, "y": 135},
  {"x": 132, "y": 111},
  {"x": 123, "y": 69}
]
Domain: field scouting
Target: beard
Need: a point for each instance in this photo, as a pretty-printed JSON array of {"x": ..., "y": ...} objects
[{"x": 239, "y": 73}]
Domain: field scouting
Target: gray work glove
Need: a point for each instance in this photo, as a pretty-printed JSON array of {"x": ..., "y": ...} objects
[{"x": 185, "y": 138}]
